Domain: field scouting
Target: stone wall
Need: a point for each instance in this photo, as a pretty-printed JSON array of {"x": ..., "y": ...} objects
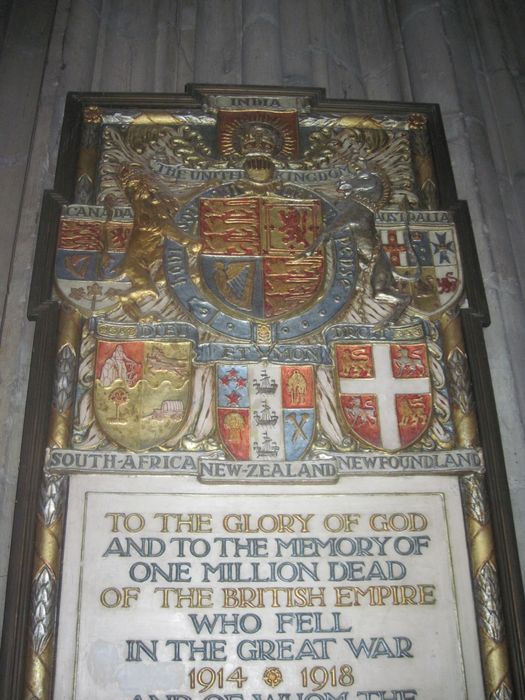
[{"x": 468, "y": 56}]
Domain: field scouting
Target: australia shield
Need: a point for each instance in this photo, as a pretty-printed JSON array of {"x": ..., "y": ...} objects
[
  {"x": 252, "y": 258},
  {"x": 266, "y": 411},
  {"x": 89, "y": 252},
  {"x": 142, "y": 390},
  {"x": 384, "y": 392},
  {"x": 425, "y": 256}
]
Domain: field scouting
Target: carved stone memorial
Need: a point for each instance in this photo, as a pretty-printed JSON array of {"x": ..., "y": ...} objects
[{"x": 261, "y": 458}]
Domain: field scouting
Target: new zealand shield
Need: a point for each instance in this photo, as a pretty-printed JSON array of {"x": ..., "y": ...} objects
[{"x": 266, "y": 411}]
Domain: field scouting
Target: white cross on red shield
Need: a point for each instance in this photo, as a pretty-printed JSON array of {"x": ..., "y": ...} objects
[{"x": 385, "y": 392}]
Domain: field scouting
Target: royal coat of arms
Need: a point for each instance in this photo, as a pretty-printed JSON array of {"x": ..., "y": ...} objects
[
  {"x": 258, "y": 243},
  {"x": 253, "y": 253}
]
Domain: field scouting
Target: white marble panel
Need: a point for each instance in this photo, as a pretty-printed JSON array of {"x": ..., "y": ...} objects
[{"x": 355, "y": 574}]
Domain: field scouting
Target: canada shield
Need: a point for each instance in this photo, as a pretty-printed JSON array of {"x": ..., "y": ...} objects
[
  {"x": 142, "y": 390},
  {"x": 266, "y": 411},
  {"x": 384, "y": 392},
  {"x": 252, "y": 258},
  {"x": 88, "y": 257}
]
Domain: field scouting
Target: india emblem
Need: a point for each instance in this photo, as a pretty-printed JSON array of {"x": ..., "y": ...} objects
[
  {"x": 266, "y": 411},
  {"x": 384, "y": 391},
  {"x": 253, "y": 253},
  {"x": 142, "y": 390}
]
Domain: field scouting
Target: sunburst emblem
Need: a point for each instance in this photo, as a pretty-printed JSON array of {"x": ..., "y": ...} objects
[{"x": 258, "y": 133}]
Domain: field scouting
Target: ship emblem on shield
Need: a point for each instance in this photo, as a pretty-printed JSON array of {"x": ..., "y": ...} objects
[
  {"x": 266, "y": 411},
  {"x": 385, "y": 392},
  {"x": 142, "y": 390},
  {"x": 252, "y": 258}
]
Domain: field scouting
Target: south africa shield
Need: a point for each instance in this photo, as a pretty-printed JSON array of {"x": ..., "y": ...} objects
[
  {"x": 90, "y": 249},
  {"x": 142, "y": 390},
  {"x": 266, "y": 411},
  {"x": 384, "y": 392},
  {"x": 253, "y": 260}
]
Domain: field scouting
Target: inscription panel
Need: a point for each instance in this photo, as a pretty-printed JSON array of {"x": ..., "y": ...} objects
[{"x": 233, "y": 594}]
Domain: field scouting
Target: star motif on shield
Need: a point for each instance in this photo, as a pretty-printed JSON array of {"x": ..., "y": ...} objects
[
  {"x": 233, "y": 398},
  {"x": 443, "y": 247}
]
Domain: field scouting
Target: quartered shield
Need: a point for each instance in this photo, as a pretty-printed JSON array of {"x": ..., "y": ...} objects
[
  {"x": 142, "y": 390},
  {"x": 266, "y": 411},
  {"x": 252, "y": 258},
  {"x": 88, "y": 257},
  {"x": 424, "y": 256},
  {"x": 385, "y": 393}
]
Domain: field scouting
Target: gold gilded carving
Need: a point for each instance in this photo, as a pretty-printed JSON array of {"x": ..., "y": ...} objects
[
  {"x": 65, "y": 379},
  {"x": 153, "y": 212},
  {"x": 264, "y": 334},
  {"x": 359, "y": 122},
  {"x": 88, "y": 155},
  {"x": 49, "y": 529},
  {"x": 92, "y": 115},
  {"x": 483, "y": 564},
  {"x": 186, "y": 144},
  {"x": 254, "y": 132},
  {"x": 463, "y": 409},
  {"x": 46, "y": 573},
  {"x": 417, "y": 121},
  {"x": 162, "y": 119},
  {"x": 272, "y": 676},
  {"x": 422, "y": 155}
]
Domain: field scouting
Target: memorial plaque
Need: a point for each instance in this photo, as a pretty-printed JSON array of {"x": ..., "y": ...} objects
[{"x": 263, "y": 461}]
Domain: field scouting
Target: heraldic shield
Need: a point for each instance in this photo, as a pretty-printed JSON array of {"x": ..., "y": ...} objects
[
  {"x": 384, "y": 392},
  {"x": 266, "y": 411},
  {"x": 142, "y": 390},
  {"x": 88, "y": 258},
  {"x": 424, "y": 254},
  {"x": 253, "y": 258}
]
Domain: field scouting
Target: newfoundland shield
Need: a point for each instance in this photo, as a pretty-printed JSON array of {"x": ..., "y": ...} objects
[
  {"x": 266, "y": 411},
  {"x": 142, "y": 390},
  {"x": 384, "y": 392}
]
